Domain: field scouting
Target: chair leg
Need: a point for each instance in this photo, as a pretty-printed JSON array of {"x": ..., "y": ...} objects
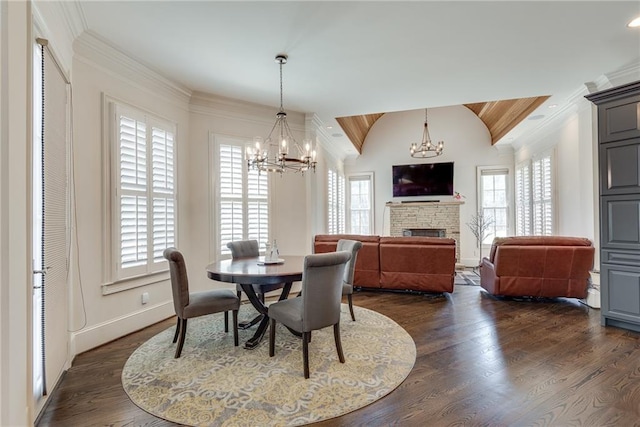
[
  {"x": 175, "y": 337},
  {"x": 226, "y": 321},
  {"x": 272, "y": 337},
  {"x": 305, "y": 353},
  {"x": 235, "y": 327},
  {"x": 336, "y": 336},
  {"x": 350, "y": 298},
  {"x": 183, "y": 333}
]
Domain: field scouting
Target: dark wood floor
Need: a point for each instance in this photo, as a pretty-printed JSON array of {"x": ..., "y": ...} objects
[{"x": 480, "y": 361}]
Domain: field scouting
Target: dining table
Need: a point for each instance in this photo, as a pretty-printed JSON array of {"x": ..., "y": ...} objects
[{"x": 254, "y": 273}]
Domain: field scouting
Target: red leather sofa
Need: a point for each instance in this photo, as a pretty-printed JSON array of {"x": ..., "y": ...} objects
[
  {"x": 538, "y": 266},
  {"x": 422, "y": 264}
]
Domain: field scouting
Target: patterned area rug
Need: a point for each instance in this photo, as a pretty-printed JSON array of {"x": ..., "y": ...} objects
[
  {"x": 467, "y": 278},
  {"x": 215, "y": 383}
]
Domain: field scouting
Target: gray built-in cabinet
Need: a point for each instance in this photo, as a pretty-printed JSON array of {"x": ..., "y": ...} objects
[{"x": 619, "y": 163}]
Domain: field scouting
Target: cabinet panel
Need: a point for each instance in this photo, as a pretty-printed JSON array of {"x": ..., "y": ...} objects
[
  {"x": 620, "y": 167},
  {"x": 620, "y": 222},
  {"x": 619, "y": 120},
  {"x": 620, "y": 287},
  {"x": 631, "y": 258}
]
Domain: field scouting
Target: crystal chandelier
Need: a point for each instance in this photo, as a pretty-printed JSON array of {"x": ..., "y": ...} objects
[
  {"x": 280, "y": 152},
  {"x": 426, "y": 147}
]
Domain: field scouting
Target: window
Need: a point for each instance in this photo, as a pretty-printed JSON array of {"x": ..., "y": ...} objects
[
  {"x": 243, "y": 198},
  {"x": 494, "y": 200},
  {"x": 360, "y": 203},
  {"x": 145, "y": 197},
  {"x": 336, "y": 204},
  {"x": 534, "y": 197}
]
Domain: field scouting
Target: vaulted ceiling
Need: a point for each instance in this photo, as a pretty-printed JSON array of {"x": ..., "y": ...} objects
[{"x": 498, "y": 116}]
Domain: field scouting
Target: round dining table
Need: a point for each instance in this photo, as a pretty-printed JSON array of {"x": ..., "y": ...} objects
[{"x": 254, "y": 274}]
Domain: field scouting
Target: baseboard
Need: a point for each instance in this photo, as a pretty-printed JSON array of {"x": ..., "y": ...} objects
[
  {"x": 97, "y": 335},
  {"x": 593, "y": 298}
]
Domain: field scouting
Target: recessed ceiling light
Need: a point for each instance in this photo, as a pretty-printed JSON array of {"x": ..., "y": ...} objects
[
  {"x": 553, "y": 105},
  {"x": 337, "y": 135},
  {"x": 635, "y": 23},
  {"x": 536, "y": 117},
  {"x": 329, "y": 127}
]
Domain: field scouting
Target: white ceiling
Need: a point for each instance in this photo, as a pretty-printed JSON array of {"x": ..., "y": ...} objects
[{"x": 353, "y": 58}]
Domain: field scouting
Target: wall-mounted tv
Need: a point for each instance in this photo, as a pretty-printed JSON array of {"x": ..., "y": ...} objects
[{"x": 424, "y": 179}]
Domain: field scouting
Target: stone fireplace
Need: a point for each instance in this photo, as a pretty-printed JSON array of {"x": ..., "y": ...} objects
[{"x": 417, "y": 216}]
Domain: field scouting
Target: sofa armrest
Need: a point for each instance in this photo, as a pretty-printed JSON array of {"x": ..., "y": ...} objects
[{"x": 488, "y": 278}]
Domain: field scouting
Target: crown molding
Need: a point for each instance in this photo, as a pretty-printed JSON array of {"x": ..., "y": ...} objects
[
  {"x": 92, "y": 50},
  {"x": 74, "y": 17},
  {"x": 330, "y": 146},
  {"x": 234, "y": 109},
  {"x": 627, "y": 74}
]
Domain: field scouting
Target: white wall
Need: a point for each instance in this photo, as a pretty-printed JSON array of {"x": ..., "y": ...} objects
[
  {"x": 99, "y": 70},
  {"x": 467, "y": 144}
]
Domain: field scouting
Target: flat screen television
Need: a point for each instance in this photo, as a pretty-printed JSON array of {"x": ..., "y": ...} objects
[{"x": 423, "y": 179}]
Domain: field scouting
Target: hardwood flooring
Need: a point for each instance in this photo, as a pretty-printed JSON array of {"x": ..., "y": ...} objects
[{"x": 480, "y": 361}]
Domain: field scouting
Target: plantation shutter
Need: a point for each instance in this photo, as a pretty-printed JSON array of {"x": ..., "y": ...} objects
[
  {"x": 332, "y": 227},
  {"x": 146, "y": 192},
  {"x": 258, "y": 207},
  {"x": 341, "y": 204},
  {"x": 163, "y": 191},
  {"x": 133, "y": 191},
  {"x": 542, "y": 196},
  {"x": 523, "y": 200}
]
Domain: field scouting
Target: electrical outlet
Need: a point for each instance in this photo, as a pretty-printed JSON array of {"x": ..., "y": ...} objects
[{"x": 145, "y": 297}]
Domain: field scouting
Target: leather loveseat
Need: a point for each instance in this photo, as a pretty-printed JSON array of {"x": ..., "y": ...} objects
[
  {"x": 538, "y": 266},
  {"x": 422, "y": 264}
]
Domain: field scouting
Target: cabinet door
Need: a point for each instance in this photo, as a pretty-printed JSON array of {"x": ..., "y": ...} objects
[
  {"x": 620, "y": 292},
  {"x": 620, "y": 119},
  {"x": 620, "y": 222},
  {"x": 620, "y": 167}
]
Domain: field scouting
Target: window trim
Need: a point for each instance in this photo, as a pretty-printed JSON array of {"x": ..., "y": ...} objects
[
  {"x": 510, "y": 194},
  {"x": 113, "y": 280},
  {"x": 360, "y": 176},
  {"x": 215, "y": 139}
]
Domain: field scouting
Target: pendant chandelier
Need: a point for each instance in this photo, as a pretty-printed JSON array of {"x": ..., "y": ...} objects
[
  {"x": 280, "y": 152},
  {"x": 426, "y": 148}
]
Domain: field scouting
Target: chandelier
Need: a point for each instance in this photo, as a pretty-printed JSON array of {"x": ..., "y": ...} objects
[
  {"x": 426, "y": 147},
  {"x": 280, "y": 152}
]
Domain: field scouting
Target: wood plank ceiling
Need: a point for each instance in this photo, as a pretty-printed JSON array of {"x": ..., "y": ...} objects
[{"x": 498, "y": 116}]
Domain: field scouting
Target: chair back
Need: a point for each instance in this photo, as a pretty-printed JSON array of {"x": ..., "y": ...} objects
[
  {"x": 351, "y": 246},
  {"x": 322, "y": 289},
  {"x": 179, "y": 280},
  {"x": 244, "y": 248}
]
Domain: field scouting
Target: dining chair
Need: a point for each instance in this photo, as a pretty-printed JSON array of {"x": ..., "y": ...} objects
[
  {"x": 351, "y": 246},
  {"x": 194, "y": 304},
  {"x": 319, "y": 305},
  {"x": 250, "y": 249}
]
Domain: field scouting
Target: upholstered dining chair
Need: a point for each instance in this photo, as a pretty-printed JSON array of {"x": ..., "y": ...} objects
[
  {"x": 250, "y": 249},
  {"x": 319, "y": 306},
  {"x": 194, "y": 304},
  {"x": 351, "y": 246}
]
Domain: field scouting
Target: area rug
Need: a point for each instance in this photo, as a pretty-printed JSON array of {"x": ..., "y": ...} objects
[
  {"x": 466, "y": 278},
  {"x": 215, "y": 383}
]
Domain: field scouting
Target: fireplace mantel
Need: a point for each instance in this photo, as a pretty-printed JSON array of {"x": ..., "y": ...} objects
[{"x": 426, "y": 214}]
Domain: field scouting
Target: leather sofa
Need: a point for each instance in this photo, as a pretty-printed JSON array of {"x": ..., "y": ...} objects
[
  {"x": 421, "y": 264},
  {"x": 538, "y": 266}
]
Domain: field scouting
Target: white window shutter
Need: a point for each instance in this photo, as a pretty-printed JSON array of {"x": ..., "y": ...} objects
[
  {"x": 146, "y": 199},
  {"x": 244, "y": 199}
]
